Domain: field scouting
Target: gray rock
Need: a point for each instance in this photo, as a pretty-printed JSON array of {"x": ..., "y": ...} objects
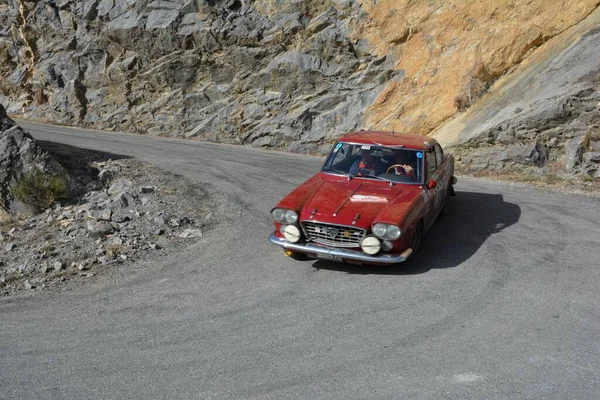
[
  {"x": 101, "y": 215},
  {"x": 119, "y": 186},
  {"x": 523, "y": 154},
  {"x": 99, "y": 228},
  {"x": 161, "y": 18},
  {"x": 159, "y": 219},
  {"x": 28, "y": 285},
  {"x": 128, "y": 20},
  {"x": 10, "y": 247},
  {"x": 59, "y": 265},
  {"x": 121, "y": 201},
  {"x": 19, "y": 153},
  {"x": 574, "y": 151},
  {"x": 106, "y": 175},
  {"x": 191, "y": 233},
  {"x": 591, "y": 157}
]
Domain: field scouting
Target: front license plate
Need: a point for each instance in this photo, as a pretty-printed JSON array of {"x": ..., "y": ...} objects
[{"x": 330, "y": 257}]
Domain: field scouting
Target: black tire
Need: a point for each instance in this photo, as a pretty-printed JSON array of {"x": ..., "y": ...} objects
[{"x": 415, "y": 239}]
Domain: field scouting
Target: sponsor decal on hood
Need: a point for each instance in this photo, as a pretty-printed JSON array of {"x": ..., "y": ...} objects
[{"x": 359, "y": 198}]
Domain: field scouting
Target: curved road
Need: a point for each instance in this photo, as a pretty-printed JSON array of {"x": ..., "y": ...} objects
[{"x": 503, "y": 301}]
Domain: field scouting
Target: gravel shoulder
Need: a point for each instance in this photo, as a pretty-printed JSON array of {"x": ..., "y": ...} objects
[{"x": 130, "y": 211}]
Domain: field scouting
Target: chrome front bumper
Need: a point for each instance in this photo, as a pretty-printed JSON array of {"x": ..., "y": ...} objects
[{"x": 344, "y": 254}]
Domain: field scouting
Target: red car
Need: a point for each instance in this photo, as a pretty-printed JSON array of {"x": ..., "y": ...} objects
[{"x": 375, "y": 197}]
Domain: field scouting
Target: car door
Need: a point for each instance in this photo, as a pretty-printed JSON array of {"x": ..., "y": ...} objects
[
  {"x": 429, "y": 193},
  {"x": 441, "y": 178}
]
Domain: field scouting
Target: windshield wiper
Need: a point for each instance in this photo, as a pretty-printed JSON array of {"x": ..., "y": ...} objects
[
  {"x": 380, "y": 178},
  {"x": 337, "y": 171}
]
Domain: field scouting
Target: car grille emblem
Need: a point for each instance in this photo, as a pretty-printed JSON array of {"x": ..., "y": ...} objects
[{"x": 333, "y": 232}]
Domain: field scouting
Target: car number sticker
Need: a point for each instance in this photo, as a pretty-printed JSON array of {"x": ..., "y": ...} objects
[
  {"x": 419, "y": 154},
  {"x": 358, "y": 198},
  {"x": 365, "y": 147},
  {"x": 337, "y": 147}
]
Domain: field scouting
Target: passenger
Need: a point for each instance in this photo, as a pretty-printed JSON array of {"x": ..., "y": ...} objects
[{"x": 367, "y": 165}]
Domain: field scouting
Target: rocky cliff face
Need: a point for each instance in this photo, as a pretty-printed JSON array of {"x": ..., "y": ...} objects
[
  {"x": 291, "y": 75},
  {"x": 231, "y": 71}
]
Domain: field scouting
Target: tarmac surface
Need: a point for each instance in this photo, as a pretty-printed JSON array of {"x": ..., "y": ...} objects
[{"x": 502, "y": 301}]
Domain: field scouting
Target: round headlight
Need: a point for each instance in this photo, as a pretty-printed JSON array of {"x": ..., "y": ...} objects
[
  {"x": 370, "y": 245},
  {"x": 291, "y": 217},
  {"x": 278, "y": 214},
  {"x": 291, "y": 233},
  {"x": 393, "y": 232},
  {"x": 379, "y": 230}
]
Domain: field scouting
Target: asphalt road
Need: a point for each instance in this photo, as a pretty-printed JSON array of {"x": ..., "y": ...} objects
[{"x": 501, "y": 303}]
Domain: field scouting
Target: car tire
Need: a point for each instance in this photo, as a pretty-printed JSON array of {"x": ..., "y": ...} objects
[{"x": 415, "y": 240}]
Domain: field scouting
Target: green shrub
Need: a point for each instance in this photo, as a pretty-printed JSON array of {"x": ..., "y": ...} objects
[{"x": 39, "y": 190}]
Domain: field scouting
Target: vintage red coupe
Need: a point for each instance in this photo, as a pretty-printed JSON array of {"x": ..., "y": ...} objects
[{"x": 375, "y": 197}]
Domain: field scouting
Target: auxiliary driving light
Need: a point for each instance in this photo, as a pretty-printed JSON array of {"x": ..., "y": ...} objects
[
  {"x": 370, "y": 245},
  {"x": 387, "y": 245},
  {"x": 291, "y": 233}
]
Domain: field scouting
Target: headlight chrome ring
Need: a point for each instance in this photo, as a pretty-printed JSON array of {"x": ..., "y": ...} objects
[
  {"x": 278, "y": 214},
  {"x": 291, "y": 217},
  {"x": 386, "y": 231}
]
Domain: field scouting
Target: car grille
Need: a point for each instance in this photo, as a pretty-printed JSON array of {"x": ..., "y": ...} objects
[{"x": 333, "y": 235}]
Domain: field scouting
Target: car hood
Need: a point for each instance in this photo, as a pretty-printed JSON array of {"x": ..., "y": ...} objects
[{"x": 358, "y": 202}]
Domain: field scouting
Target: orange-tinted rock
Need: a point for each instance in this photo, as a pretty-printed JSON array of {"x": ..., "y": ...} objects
[{"x": 454, "y": 50}]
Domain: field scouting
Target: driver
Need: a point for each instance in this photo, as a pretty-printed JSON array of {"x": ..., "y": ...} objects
[
  {"x": 366, "y": 165},
  {"x": 402, "y": 165}
]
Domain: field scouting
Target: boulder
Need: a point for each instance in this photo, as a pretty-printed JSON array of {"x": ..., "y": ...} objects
[{"x": 19, "y": 154}]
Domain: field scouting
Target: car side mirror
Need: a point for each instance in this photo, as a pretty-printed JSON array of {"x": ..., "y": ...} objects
[{"x": 431, "y": 184}]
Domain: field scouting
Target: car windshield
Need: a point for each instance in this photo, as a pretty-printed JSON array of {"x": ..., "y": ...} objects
[{"x": 392, "y": 163}]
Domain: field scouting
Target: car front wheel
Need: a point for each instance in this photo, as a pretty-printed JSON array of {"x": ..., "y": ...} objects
[{"x": 415, "y": 240}]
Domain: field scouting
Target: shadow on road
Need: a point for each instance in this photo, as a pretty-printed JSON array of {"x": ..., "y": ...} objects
[
  {"x": 83, "y": 176},
  {"x": 453, "y": 238},
  {"x": 75, "y": 158}
]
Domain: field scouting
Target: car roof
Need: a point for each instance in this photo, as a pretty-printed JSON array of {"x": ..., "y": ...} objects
[{"x": 387, "y": 138}]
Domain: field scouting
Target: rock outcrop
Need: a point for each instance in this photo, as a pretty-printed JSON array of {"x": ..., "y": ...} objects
[
  {"x": 547, "y": 115},
  {"x": 19, "y": 153}
]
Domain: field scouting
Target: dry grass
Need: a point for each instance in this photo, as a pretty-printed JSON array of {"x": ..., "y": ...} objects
[
  {"x": 5, "y": 218},
  {"x": 114, "y": 250},
  {"x": 39, "y": 190}
]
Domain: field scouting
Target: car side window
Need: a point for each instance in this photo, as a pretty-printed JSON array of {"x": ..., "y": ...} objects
[
  {"x": 431, "y": 163},
  {"x": 439, "y": 154},
  {"x": 339, "y": 158}
]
